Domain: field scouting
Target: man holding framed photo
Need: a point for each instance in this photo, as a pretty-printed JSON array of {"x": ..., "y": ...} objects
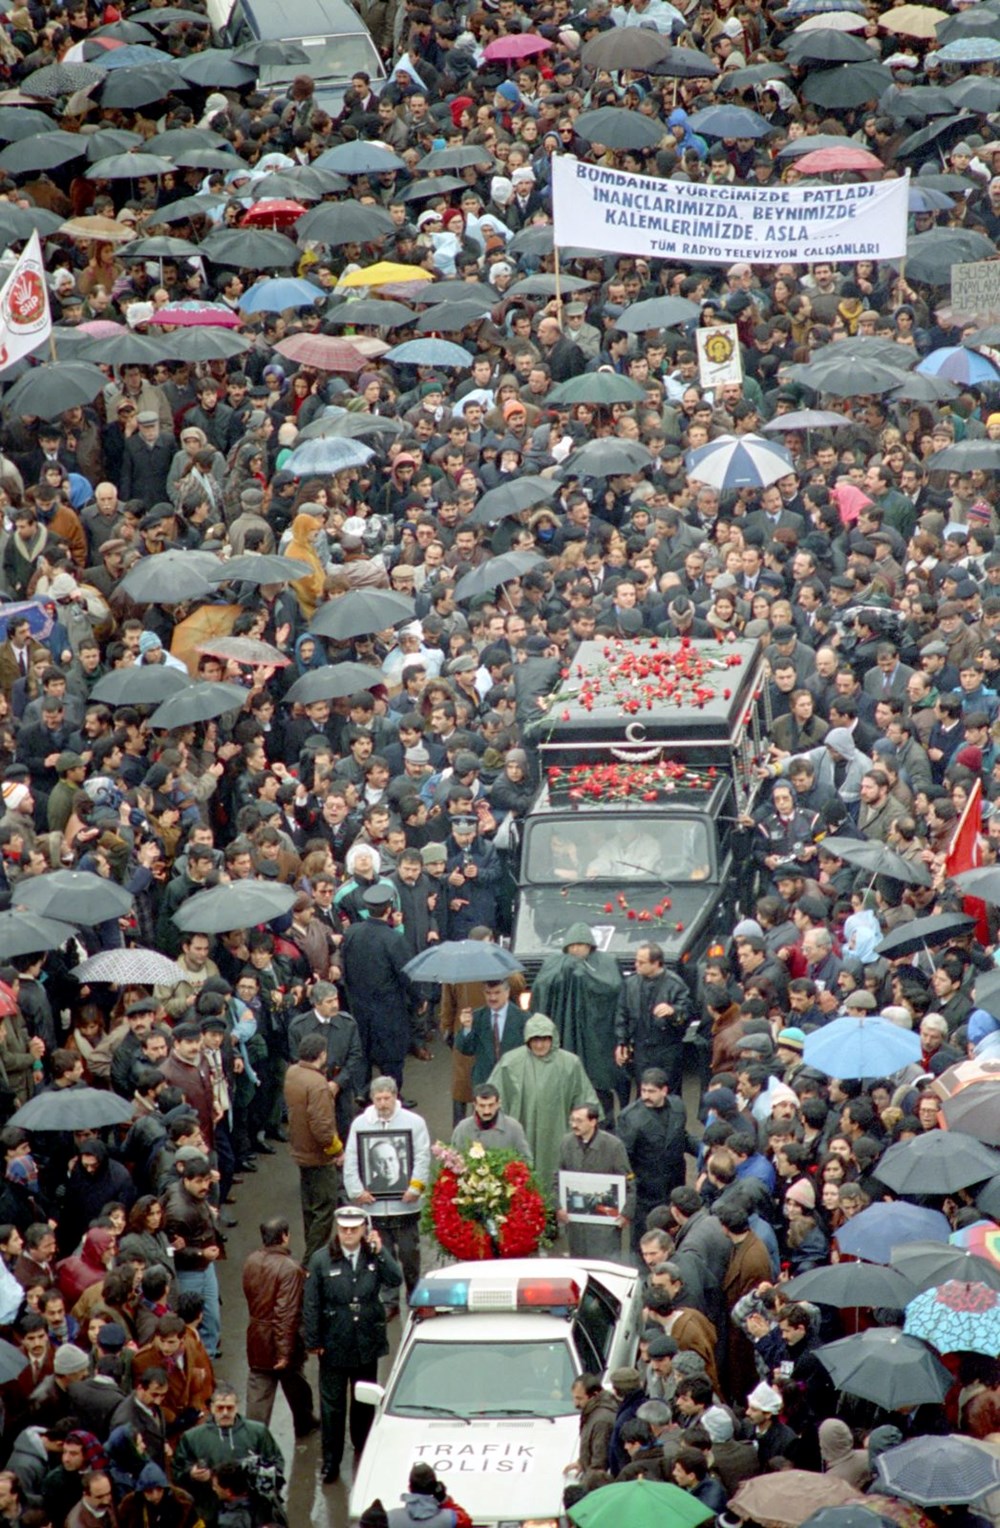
[
  {"x": 589, "y": 1155},
  {"x": 386, "y": 1167}
]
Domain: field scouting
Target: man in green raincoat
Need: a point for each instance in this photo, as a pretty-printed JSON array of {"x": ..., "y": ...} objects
[
  {"x": 539, "y": 1084},
  {"x": 580, "y": 989}
]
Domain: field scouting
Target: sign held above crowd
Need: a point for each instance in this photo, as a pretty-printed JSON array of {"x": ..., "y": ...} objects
[{"x": 599, "y": 208}]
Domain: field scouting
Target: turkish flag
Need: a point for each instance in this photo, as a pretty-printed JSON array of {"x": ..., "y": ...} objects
[{"x": 963, "y": 854}]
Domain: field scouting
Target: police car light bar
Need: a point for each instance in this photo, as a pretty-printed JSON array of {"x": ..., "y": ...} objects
[{"x": 494, "y": 1294}]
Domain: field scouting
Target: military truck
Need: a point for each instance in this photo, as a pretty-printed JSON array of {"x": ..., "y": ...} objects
[{"x": 649, "y": 750}]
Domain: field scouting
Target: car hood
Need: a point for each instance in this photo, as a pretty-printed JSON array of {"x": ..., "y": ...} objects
[
  {"x": 499, "y": 1469},
  {"x": 546, "y": 912}
]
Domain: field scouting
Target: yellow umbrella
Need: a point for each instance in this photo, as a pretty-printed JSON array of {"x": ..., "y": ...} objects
[
  {"x": 913, "y": 21},
  {"x": 383, "y": 273},
  {"x": 200, "y": 626}
]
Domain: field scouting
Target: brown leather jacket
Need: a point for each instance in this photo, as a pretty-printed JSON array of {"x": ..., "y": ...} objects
[
  {"x": 312, "y": 1124},
  {"x": 272, "y": 1285}
]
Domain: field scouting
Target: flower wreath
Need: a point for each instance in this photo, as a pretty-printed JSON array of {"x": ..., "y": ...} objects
[{"x": 484, "y": 1204}]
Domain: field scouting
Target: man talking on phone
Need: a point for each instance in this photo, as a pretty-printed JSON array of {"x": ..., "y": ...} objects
[{"x": 344, "y": 1321}]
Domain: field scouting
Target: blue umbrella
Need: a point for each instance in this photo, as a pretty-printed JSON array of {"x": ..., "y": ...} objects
[
  {"x": 429, "y": 352},
  {"x": 744, "y": 461},
  {"x": 278, "y": 293},
  {"x": 873, "y": 1234},
  {"x": 958, "y": 364},
  {"x": 331, "y": 453},
  {"x": 956, "y": 1318},
  {"x": 925, "y": 199},
  {"x": 937, "y": 1472},
  {"x": 863, "y": 1047},
  {"x": 969, "y": 50},
  {"x": 730, "y": 122}
]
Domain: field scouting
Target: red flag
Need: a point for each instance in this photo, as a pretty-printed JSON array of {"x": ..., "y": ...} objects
[{"x": 963, "y": 854}]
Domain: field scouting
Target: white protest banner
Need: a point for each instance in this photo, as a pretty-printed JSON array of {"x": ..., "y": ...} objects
[
  {"x": 719, "y": 358},
  {"x": 25, "y": 319},
  {"x": 975, "y": 292},
  {"x": 604, "y": 209}
]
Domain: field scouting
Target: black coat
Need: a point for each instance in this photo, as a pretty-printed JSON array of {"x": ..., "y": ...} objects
[
  {"x": 656, "y": 1140},
  {"x": 379, "y": 992},
  {"x": 145, "y": 468},
  {"x": 418, "y": 919},
  {"x": 342, "y": 1311}
]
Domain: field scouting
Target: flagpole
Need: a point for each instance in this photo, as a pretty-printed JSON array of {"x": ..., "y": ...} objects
[{"x": 558, "y": 276}]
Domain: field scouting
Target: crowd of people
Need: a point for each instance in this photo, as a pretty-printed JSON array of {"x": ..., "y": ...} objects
[{"x": 160, "y": 536}]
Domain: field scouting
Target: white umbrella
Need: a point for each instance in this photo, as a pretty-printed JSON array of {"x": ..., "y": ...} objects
[{"x": 738, "y": 461}]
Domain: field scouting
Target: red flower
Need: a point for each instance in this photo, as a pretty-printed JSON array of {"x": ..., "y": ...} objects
[{"x": 608, "y": 907}]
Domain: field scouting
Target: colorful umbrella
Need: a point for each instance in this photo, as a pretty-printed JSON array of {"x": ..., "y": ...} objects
[
  {"x": 983, "y": 1239},
  {"x": 197, "y": 315},
  {"x": 959, "y": 364},
  {"x": 517, "y": 45},
  {"x": 744, "y": 461},
  {"x": 975, "y": 1111},
  {"x": 323, "y": 351},
  {"x": 826, "y": 161},
  {"x": 956, "y": 1318}
]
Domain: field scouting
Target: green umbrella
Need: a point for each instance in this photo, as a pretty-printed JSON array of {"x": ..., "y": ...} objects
[
  {"x": 600, "y": 387},
  {"x": 637, "y": 1504}
]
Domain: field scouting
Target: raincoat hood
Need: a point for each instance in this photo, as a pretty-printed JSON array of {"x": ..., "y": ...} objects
[
  {"x": 540, "y": 1027},
  {"x": 580, "y": 933},
  {"x": 835, "y": 1440},
  {"x": 151, "y": 1476}
]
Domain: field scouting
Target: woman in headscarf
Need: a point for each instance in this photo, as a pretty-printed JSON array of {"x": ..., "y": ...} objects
[
  {"x": 306, "y": 530},
  {"x": 94, "y": 1181}
]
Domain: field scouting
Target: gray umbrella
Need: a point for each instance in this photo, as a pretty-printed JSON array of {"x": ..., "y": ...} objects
[
  {"x": 260, "y": 568},
  {"x": 878, "y": 859},
  {"x": 48, "y": 390},
  {"x": 606, "y": 458},
  {"x": 333, "y": 682},
  {"x": 46, "y": 152},
  {"x": 361, "y": 612},
  {"x": 73, "y": 1109},
  {"x": 495, "y": 571},
  {"x": 74, "y": 896},
  {"x": 849, "y": 1286},
  {"x": 128, "y": 166},
  {"x": 205, "y": 343},
  {"x": 657, "y": 313},
  {"x": 242, "y": 904},
  {"x": 371, "y": 310},
  {"x": 200, "y": 702},
  {"x": 335, "y": 223},
  {"x": 617, "y": 128},
  {"x": 886, "y": 1367},
  {"x": 18, "y": 122},
  {"x": 250, "y": 249},
  {"x": 452, "y": 317},
  {"x": 511, "y": 498},
  {"x": 454, "y": 159},
  {"x": 462, "y": 960},
  {"x": 169, "y": 577},
  {"x": 939, "y": 1162},
  {"x": 61, "y": 80},
  {"x": 28, "y": 934},
  {"x": 141, "y": 684},
  {"x": 17, "y": 223}
]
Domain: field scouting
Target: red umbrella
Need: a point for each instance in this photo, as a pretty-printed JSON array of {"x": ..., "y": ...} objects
[
  {"x": 518, "y": 45},
  {"x": 198, "y": 316},
  {"x": 821, "y": 161},
  {"x": 322, "y": 351},
  {"x": 273, "y": 212}
]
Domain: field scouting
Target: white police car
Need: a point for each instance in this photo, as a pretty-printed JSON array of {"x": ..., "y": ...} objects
[{"x": 482, "y": 1392}]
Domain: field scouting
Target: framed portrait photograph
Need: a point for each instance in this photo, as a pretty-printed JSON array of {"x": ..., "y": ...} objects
[
  {"x": 385, "y": 1162},
  {"x": 592, "y": 1199}
]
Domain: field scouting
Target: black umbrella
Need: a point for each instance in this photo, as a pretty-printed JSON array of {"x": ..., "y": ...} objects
[
  {"x": 924, "y": 934},
  {"x": 120, "y": 350},
  {"x": 617, "y": 128},
  {"x": 920, "y": 388},
  {"x": 886, "y": 1367},
  {"x": 175, "y": 138},
  {"x": 431, "y": 185},
  {"x": 495, "y": 571},
  {"x": 845, "y": 378},
  {"x": 216, "y": 69},
  {"x": 169, "y": 577},
  {"x": 532, "y": 241},
  {"x": 657, "y": 313},
  {"x": 938, "y": 1162},
  {"x": 544, "y": 285},
  {"x": 360, "y": 158},
  {"x": 250, "y": 249},
  {"x": 28, "y": 934},
  {"x": 189, "y": 207},
  {"x": 141, "y": 684},
  {"x": 810, "y": 143},
  {"x": 975, "y": 1111},
  {"x": 242, "y": 904},
  {"x": 206, "y": 342},
  {"x": 750, "y": 77},
  {"x": 46, "y": 152},
  {"x": 462, "y": 960},
  {"x": 967, "y": 456},
  {"x": 979, "y": 22},
  {"x": 259, "y": 568},
  {"x": 826, "y": 45},
  {"x": 452, "y": 317},
  {"x": 333, "y": 682},
  {"x": 625, "y": 48},
  {"x": 128, "y": 166},
  {"x": 511, "y": 498},
  {"x": 685, "y": 64},
  {"x": 983, "y": 883},
  {"x": 848, "y": 1286},
  {"x": 61, "y": 80},
  {"x": 847, "y": 85},
  {"x": 361, "y": 612},
  {"x": 74, "y": 896},
  {"x": 17, "y": 223},
  {"x": 454, "y": 159},
  {"x": 48, "y": 390},
  {"x": 335, "y": 223},
  {"x": 200, "y": 702},
  {"x": 124, "y": 31},
  {"x": 458, "y": 291},
  {"x": 726, "y": 121},
  {"x": 602, "y": 388},
  {"x": 167, "y": 16},
  {"x": 371, "y": 310},
  {"x": 927, "y": 1264},
  {"x": 942, "y": 131},
  {"x": 878, "y": 859},
  {"x": 161, "y": 248},
  {"x": 274, "y": 51},
  {"x": 73, "y": 1109},
  {"x": 988, "y": 1203},
  {"x": 983, "y": 338},
  {"x": 986, "y": 992},
  {"x": 18, "y": 122},
  {"x": 606, "y": 458},
  {"x": 930, "y": 256}
]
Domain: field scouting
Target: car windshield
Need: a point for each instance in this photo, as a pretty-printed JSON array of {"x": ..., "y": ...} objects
[
  {"x": 485, "y": 1379},
  {"x": 618, "y": 848},
  {"x": 330, "y": 58}
]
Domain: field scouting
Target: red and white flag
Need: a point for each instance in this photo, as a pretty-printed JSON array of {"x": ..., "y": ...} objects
[{"x": 25, "y": 317}]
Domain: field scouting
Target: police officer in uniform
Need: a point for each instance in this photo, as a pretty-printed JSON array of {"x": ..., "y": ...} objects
[{"x": 344, "y": 1322}]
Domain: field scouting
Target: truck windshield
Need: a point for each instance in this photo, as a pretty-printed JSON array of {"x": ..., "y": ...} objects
[
  {"x": 615, "y": 848},
  {"x": 330, "y": 58},
  {"x": 486, "y": 1378}
]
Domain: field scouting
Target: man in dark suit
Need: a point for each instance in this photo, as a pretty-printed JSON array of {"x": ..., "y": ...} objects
[{"x": 488, "y": 1033}]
